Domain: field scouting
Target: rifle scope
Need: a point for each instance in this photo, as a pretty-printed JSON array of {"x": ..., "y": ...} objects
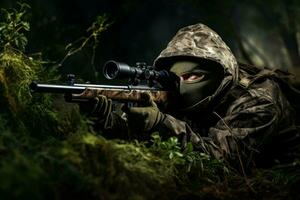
[{"x": 118, "y": 70}]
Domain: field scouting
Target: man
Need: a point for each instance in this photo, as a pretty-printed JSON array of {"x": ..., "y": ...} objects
[{"x": 234, "y": 113}]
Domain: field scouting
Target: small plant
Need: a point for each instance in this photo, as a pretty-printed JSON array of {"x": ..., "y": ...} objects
[
  {"x": 12, "y": 26},
  {"x": 94, "y": 31},
  {"x": 169, "y": 148},
  {"x": 189, "y": 162}
]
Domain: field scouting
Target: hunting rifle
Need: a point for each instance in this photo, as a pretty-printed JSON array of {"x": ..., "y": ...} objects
[{"x": 142, "y": 78}]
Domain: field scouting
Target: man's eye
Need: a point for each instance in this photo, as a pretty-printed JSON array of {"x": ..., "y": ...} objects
[{"x": 191, "y": 77}]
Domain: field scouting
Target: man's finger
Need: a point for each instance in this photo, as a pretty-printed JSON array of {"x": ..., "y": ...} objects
[
  {"x": 136, "y": 111},
  {"x": 147, "y": 99}
]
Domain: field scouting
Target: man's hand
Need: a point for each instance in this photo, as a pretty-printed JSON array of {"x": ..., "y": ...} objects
[
  {"x": 99, "y": 107},
  {"x": 143, "y": 119}
]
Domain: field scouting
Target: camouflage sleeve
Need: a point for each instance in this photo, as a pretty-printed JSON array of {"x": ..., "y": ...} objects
[
  {"x": 246, "y": 129},
  {"x": 253, "y": 127},
  {"x": 243, "y": 133},
  {"x": 240, "y": 134},
  {"x": 175, "y": 127}
]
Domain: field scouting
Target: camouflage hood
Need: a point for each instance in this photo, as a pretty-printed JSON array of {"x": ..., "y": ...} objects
[{"x": 200, "y": 42}]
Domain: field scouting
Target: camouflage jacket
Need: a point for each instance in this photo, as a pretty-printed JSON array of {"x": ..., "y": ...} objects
[{"x": 248, "y": 119}]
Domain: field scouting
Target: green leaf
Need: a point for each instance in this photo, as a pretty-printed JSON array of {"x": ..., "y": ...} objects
[{"x": 178, "y": 154}]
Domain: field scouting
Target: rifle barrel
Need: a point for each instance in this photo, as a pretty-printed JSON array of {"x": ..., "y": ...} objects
[
  {"x": 79, "y": 88},
  {"x": 52, "y": 88}
]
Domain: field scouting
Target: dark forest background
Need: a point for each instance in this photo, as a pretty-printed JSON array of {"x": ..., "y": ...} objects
[{"x": 264, "y": 33}]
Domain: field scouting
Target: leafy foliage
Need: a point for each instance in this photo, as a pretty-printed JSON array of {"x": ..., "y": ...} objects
[
  {"x": 94, "y": 32},
  {"x": 12, "y": 27}
]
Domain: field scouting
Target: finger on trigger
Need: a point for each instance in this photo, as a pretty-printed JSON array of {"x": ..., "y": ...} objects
[{"x": 147, "y": 99}]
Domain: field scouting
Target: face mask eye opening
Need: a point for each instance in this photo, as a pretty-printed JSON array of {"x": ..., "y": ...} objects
[{"x": 192, "y": 77}]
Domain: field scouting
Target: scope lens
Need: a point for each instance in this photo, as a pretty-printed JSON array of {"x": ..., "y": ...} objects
[{"x": 111, "y": 70}]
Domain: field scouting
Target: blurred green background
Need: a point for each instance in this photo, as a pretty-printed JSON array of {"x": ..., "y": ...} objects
[{"x": 264, "y": 33}]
